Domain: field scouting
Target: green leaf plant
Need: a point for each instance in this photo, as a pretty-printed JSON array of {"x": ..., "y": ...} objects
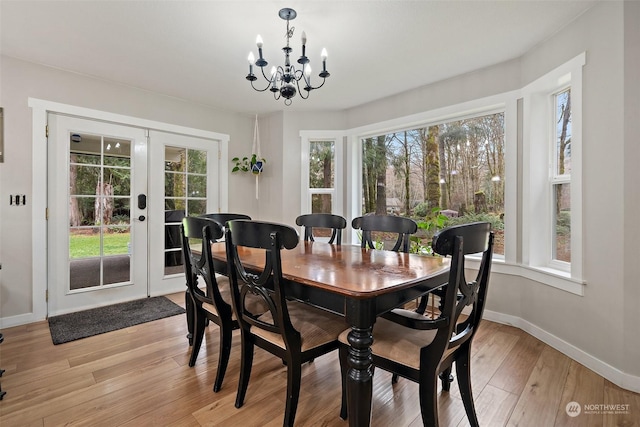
[{"x": 245, "y": 164}]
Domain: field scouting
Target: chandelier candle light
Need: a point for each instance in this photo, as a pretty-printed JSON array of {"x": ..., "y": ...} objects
[{"x": 285, "y": 81}]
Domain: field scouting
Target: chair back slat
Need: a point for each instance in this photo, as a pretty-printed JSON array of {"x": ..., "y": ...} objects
[
  {"x": 457, "y": 242},
  {"x": 205, "y": 231},
  {"x": 322, "y": 220},
  {"x": 265, "y": 284},
  {"x": 402, "y": 227}
]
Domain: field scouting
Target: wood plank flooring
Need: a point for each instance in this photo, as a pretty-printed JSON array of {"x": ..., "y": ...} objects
[{"x": 139, "y": 376}]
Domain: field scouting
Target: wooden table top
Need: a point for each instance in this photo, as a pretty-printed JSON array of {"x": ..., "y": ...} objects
[{"x": 348, "y": 270}]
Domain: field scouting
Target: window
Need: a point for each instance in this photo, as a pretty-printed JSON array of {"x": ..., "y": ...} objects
[
  {"x": 450, "y": 172},
  {"x": 322, "y": 172},
  {"x": 561, "y": 178},
  {"x": 552, "y": 188},
  {"x": 322, "y": 175}
]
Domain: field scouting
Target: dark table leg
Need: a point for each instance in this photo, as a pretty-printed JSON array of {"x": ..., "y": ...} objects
[{"x": 360, "y": 376}]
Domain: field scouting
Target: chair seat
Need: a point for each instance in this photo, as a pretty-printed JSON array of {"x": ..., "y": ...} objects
[
  {"x": 316, "y": 327},
  {"x": 396, "y": 342}
]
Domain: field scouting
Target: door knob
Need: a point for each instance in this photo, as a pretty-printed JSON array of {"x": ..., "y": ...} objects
[{"x": 142, "y": 218}]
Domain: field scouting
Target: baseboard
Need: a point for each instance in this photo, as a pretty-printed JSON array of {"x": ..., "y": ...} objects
[
  {"x": 616, "y": 376},
  {"x": 22, "y": 319}
]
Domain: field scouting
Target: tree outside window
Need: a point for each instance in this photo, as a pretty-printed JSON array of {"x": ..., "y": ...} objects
[
  {"x": 455, "y": 169},
  {"x": 561, "y": 177}
]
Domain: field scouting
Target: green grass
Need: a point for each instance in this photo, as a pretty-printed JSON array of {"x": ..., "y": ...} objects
[{"x": 84, "y": 246}]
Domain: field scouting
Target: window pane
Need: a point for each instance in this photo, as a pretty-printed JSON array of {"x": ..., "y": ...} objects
[
  {"x": 321, "y": 164},
  {"x": 82, "y": 211},
  {"x": 562, "y": 223},
  {"x": 563, "y": 133},
  {"x": 174, "y": 184},
  {"x": 321, "y": 203},
  {"x": 84, "y": 242},
  {"x": 174, "y": 159},
  {"x": 83, "y": 179},
  {"x": 117, "y": 181},
  {"x": 453, "y": 169},
  {"x": 197, "y": 186},
  {"x": 197, "y": 207},
  {"x": 197, "y": 161},
  {"x": 117, "y": 152}
]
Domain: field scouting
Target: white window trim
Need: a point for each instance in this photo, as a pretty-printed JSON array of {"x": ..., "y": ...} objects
[{"x": 538, "y": 137}]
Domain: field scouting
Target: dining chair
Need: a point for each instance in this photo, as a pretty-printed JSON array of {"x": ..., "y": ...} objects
[
  {"x": 322, "y": 220},
  {"x": 293, "y": 331},
  {"x": 400, "y": 227},
  {"x": 222, "y": 218},
  {"x": 418, "y": 348},
  {"x": 213, "y": 304}
]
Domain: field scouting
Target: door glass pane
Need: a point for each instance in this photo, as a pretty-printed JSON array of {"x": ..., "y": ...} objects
[
  {"x": 99, "y": 211},
  {"x": 174, "y": 159},
  {"x": 197, "y": 207},
  {"x": 197, "y": 161},
  {"x": 85, "y": 179},
  {"x": 117, "y": 181},
  {"x": 197, "y": 186},
  {"x": 117, "y": 153},
  {"x": 185, "y": 184}
]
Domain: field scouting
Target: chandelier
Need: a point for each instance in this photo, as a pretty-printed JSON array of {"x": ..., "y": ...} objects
[{"x": 285, "y": 81}]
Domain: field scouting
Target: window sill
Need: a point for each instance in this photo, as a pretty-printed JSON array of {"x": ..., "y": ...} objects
[{"x": 547, "y": 276}]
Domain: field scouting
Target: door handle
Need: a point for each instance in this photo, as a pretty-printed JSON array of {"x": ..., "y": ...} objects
[
  {"x": 141, "y": 218},
  {"x": 142, "y": 201}
]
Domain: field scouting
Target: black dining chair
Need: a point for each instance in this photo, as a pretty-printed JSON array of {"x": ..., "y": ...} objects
[
  {"x": 418, "y": 348},
  {"x": 214, "y": 303},
  {"x": 293, "y": 331},
  {"x": 399, "y": 227},
  {"x": 222, "y": 219},
  {"x": 335, "y": 223}
]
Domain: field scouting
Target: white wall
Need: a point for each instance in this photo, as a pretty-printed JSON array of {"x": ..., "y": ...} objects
[
  {"x": 631, "y": 184},
  {"x": 20, "y": 80}
]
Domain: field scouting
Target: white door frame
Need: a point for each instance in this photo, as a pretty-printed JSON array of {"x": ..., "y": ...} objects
[{"x": 39, "y": 110}]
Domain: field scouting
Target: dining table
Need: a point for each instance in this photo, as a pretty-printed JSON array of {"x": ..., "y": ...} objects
[{"x": 359, "y": 284}]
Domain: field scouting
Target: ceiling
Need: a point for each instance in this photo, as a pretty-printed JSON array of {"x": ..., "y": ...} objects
[{"x": 197, "y": 50}]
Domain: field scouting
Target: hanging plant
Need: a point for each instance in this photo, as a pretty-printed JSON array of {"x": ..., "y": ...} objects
[{"x": 246, "y": 164}]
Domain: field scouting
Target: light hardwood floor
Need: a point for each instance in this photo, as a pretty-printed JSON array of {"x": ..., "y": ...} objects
[{"x": 139, "y": 377}]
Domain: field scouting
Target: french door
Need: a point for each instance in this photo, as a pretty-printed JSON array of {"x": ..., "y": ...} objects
[{"x": 116, "y": 196}]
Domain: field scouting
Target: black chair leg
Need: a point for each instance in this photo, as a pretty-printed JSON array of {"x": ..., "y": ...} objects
[
  {"x": 198, "y": 335},
  {"x": 294, "y": 375},
  {"x": 246, "y": 362},
  {"x": 188, "y": 304},
  {"x": 428, "y": 391},
  {"x": 463, "y": 370},
  {"x": 223, "y": 357},
  {"x": 344, "y": 367}
]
